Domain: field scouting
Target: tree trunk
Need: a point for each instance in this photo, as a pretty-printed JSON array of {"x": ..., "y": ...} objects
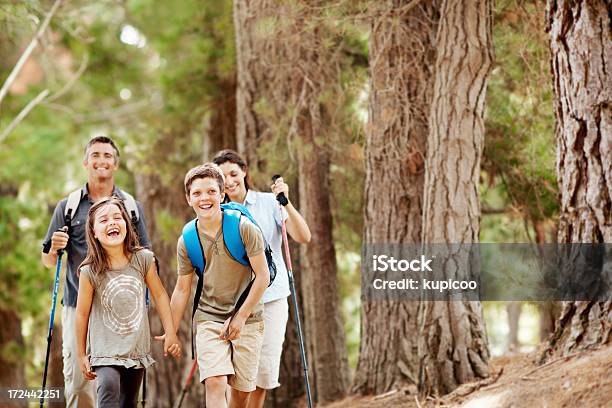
[
  {"x": 581, "y": 56},
  {"x": 12, "y": 367},
  {"x": 320, "y": 276},
  {"x": 401, "y": 57},
  {"x": 453, "y": 344},
  {"x": 221, "y": 129},
  {"x": 284, "y": 73}
]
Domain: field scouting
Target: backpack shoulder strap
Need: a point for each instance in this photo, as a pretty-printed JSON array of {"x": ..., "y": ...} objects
[
  {"x": 231, "y": 236},
  {"x": 72, "y": 204},
  {"x": 130, "y": 206},
  {"x": 194, "y": 246}
]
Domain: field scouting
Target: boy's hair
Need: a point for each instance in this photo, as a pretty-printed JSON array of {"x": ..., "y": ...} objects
[
  {"x": 105, "y": 140},
  {"x": 228, "y": 155},
  {"x": 206, "y": 170},
  {"x": 97, "y": 258}
]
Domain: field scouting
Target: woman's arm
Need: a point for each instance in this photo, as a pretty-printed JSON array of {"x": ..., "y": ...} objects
[
  {"x": 84, "y": 300},
  {"x": 296, "y": 225}
]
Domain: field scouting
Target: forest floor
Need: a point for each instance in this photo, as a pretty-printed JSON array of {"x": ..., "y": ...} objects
[{"x": 582, "y": 380}]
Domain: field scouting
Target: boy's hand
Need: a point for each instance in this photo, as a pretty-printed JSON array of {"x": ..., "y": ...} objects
[
  {"x": 88, "y": 374},
  {"x": 172, "y": 345},
  {"x": 232, "y": 327}
]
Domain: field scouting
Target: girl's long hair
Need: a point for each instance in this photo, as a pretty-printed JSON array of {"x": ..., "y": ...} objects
[{"x": 97, "y": 258}]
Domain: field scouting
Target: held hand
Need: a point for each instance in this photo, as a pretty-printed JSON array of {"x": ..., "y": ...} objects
[
  {"x": 59, "y": 240},
  {"x": 88, "y": 374},
  {"x": 161, "y": 338},
  {"x": 232, "y": 328},
  {"x": 172, "y": 346},
  {"x": 280, "y": 186}
]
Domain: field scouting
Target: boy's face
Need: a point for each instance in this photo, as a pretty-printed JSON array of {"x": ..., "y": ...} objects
[
  {"x": 100, "y": 161},
  {"x": 205, "y": 198}
]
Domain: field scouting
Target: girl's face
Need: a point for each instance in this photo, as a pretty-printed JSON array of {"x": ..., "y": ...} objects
[
  {"x": 234, "y": 180},
  {"x": 109, "y": 226}
]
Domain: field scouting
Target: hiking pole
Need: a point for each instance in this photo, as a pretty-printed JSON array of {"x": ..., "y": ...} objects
[
  {"x": 51, "y": 321},
  {"x": 187, "y": 383},
  {"x": 298, "y": 327}
]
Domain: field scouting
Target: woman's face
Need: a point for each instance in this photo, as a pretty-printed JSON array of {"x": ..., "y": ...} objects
[
  {"x": 109, "y": 226},
  {"x": 234, "y": 180}
]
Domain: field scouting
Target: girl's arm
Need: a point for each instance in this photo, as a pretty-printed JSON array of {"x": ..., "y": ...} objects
[
  {"x": 84, "y": 299},
  {"x": 162, "y": 304}
]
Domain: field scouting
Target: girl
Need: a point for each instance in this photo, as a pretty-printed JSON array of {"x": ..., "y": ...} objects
[
  {"x": 111, "y": 316},
  {"x": 265, "y": 210}
]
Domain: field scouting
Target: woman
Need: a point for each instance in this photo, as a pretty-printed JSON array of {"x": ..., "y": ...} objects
[{"x": 269, "y": 216}]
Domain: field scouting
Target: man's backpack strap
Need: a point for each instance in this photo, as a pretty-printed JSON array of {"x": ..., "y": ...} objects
[
  {"x": 130, "y": 205},
  {"x": 72, "y": 204}
]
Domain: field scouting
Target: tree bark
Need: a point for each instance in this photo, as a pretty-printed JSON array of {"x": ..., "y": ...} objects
[
  {"x": 12, "y": 368},
  {"x": 284, "y": 72},
  {"x": 453, "y": 344},
  {"x": 581, "y": 56},
  {"x": 401, "y": 59}
]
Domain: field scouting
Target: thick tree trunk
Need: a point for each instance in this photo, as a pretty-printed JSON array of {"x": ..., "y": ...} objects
[
  {"x": 12, "y": 368},
  {"x": 321, "y": 283},
  {"x": 221, "y": 129},
  {"x": 581, "y": 57},
  {"x": 283, "y": 73},
  {"x": 401, "y": 57},
  {"x": 453, "y": 343}
]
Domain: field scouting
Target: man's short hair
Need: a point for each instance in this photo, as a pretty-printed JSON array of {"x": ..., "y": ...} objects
[
  {"x": 206, "y": 170},
  {"x": 102, "y": 139}
]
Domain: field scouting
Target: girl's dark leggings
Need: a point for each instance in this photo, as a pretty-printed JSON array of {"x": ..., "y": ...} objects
[{"x": 118, "y": 386}]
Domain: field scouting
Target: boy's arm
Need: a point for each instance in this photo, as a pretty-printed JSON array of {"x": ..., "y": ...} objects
[
  {"x": 162, "y": 304},
  {"x": 83, "y": 309},
  {"x": 262, "y": 279}
]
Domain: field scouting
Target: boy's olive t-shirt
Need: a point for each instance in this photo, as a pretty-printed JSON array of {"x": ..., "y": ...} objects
[
  {"x": 224, "y": 278},
  {"x": 118, "y": 323}
]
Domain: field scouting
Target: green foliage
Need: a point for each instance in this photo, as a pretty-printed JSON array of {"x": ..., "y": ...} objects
[{"x": 519, "y": 144}]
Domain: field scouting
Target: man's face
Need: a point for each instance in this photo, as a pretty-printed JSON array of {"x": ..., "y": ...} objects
[
  {"x": 205, "y": 198},
  {"x": 100, "y": 161}
]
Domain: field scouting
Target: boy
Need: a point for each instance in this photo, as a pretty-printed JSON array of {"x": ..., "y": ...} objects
[{"x": 228, "y": 341}]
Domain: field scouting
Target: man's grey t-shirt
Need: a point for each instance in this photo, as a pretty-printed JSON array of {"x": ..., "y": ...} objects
[
  {"x": 77, "y": 244},
  {"x": 118, "y": 323}
]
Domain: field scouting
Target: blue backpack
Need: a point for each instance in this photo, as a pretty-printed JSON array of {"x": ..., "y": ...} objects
[{"x": 232, "y": 212}]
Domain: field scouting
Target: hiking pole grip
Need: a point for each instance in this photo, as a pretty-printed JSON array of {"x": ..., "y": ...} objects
[{"x": 281, "y": 198}]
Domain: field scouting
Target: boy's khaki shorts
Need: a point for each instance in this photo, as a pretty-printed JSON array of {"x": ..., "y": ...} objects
[{"x": 238, "y": 359}]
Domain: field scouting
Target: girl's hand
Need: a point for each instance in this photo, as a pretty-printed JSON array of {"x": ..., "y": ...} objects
[
  {"x": 232, "y": 327},
  {"x": 172, "y": 345},
  {"x": 88, "y": 374}
]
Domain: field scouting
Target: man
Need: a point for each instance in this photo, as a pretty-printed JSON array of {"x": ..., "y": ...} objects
[{"x": 101, "y": 161}]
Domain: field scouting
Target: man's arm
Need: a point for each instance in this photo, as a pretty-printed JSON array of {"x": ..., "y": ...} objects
[
  {"x": 55, "y": 239},
  {"x": 141, "y": 228}
]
